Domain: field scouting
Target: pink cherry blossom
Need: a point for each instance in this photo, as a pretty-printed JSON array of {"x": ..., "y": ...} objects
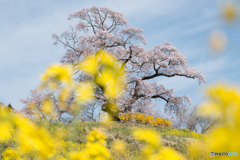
[{"x": 100, "y": 27}]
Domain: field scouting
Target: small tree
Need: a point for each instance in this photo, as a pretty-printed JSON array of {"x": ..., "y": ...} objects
[
  {"x": 8, "y": 107},
  {"x": 34, "y": 107},
  {"x": 189, "y": 118},
  {"x": 1, "y": 104},
  {"x": 88, "y": 112},
  {"x": 207, "y": 123}
]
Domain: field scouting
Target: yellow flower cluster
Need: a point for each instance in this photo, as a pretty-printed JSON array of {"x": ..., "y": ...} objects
[
  {"x": 153, "y": 150},
  {"x": 230, "y": 11},
  {"x": 37, "y": 142},
  {"x": 182, "y": 133},
  {"x": 108, "y": 73},
  {"x": 28, "y": 136},
  {"x": 161, "y": 121},
  {"x": 57, "y": 72},
  {"x": 118, "y": 145},
  {"x": 11, "y": 154},
  {"x": 139, "y": 117},
  {"x": 143, "y": 118},
  {"x": 34, "y": 140},
  {"x": 54, "y": 76},
  {"x": 95, "y": 148},
  {"x": 96, "y": 136},
  {"x": 224, "y": 104},
  {"x": 126, "y": 117}
]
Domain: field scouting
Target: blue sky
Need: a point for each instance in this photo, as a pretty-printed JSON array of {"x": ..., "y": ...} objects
[{"x": 26, "y": 45}]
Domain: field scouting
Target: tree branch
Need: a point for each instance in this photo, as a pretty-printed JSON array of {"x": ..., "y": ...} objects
[{"x": 166, "y": 75}]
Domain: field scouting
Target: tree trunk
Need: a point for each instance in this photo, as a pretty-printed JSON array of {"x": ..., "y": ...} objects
[
  {"x": 112, "y": 111},
  {"x": 113, "y": 117}
]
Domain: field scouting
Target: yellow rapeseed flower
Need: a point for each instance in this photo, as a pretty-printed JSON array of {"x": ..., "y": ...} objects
[
  {"x": 118, "y": 145},
  {"x": 6, "y": 124},
  {"x": 106, "y": 58},
  {"x": 225, "y": 101},
  {"x": 47, "y": 106},
  {"x": 9, "y": 154},
  {"x": 78, "y": 156},
  {"x": 111, "y": 83},
  {"x": 218, "y": 41},
  {"x": 5, "y": 131},
  {"x": 147, "y": 136},
  {"x": 90, "y": 65},
  {"x": 85, "y": 91},
  {"x": 96, "y": 136},
  {"x": 167, "y": 153},
  {"x": 58, "y": 72},
  {"x": 197, "y": 149},
  {"x": 30, "y": 138},
  {"x": 97, "y": 151},
  {"x": 230, "y": 11}
]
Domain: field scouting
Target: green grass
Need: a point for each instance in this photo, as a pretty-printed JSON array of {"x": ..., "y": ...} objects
[
  {"x": 176, "y": 139},
  {"x": 77, "y": 132}
]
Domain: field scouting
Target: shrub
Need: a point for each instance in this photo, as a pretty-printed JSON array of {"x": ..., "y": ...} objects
[{"x": 143, "y": 118}]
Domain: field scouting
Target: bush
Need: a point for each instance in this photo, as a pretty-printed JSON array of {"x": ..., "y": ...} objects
[{"x": 144, "y": 118}]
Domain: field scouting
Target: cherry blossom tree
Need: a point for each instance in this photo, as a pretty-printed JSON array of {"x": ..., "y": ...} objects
[
  {"x": 190, "y": 118},
  {"x": 102, "y": 28},
  {"x": 34, "y": 108},
  {"x": 88, "y": 112}
]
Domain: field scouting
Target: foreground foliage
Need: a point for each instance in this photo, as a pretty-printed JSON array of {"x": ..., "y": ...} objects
[
  {"x": 86, "y": 140},
  {"x": 22, "y": 139}
]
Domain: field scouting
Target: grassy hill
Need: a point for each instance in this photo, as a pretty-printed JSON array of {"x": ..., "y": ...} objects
[
  {"x": 73, "y": 137},
  {"x": 177, "y": 139}
]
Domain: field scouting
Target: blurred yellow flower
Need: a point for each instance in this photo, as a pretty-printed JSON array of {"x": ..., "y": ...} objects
[
  {"x": 89, "y": 65},
  {"x": 64, "y": 93},
  {"x": 118, "y": 145},
  {"x": 107, "y": 71},
  {"x": 210, "y": 109},
  {"x": 61, "y": 133},
  {"x": 94, "y": 148},
  {"x": 9, "y": 154},
  {"x": 148, "y": 136},
  {"x": 96, "y": 136},
  {"x": 224, "y": 100},
  {"x": 5, "y": 131},
  {"x": 198, "y": 149},
  {"x": 230, "y": 11},
  {"x": 58, "y": 72},
  {"x": 6, "y": 124},
  {"x": 106, "y": 58},
  {"x": 30, "y": 138},
  {"x": 85, "y": 91},
  {"x": 32, "y": 106},
  {"x": 112, "y": 82},
  {"x": 218, "y": 41},
  {"x": 78, "y": 156},
  {"x": 97, "y": 151},
  {"x": 167, "y": 153},
  {"x": 47, "y": 106}
]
